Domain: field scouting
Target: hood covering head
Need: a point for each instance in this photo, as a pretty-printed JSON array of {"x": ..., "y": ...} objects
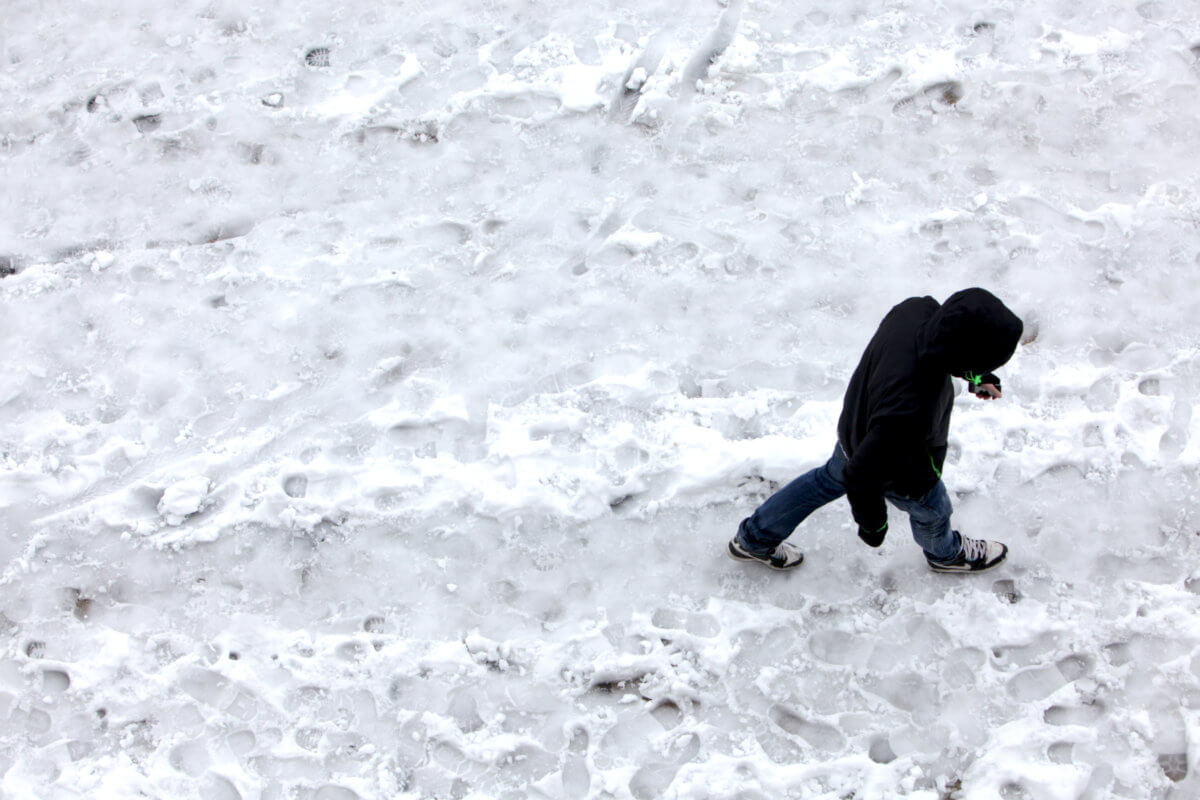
[{"x": 972, "y": 332}]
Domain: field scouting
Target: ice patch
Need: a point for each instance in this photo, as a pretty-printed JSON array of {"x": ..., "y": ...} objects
[{"x": 364, "y": 92}]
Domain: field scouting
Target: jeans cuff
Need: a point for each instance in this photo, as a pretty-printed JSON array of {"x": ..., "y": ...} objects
[{"x": 957, "y": 552}]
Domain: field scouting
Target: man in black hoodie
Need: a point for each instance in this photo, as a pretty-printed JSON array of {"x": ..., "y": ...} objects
[{"x": 893, "y": 431}]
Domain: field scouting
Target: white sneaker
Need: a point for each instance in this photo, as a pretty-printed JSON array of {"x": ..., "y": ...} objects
[
  {"x": 976, "y": 556},
  {"x": 784, "y": 556}
]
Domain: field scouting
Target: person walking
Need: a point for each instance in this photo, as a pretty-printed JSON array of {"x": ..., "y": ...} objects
[{"x": 893, "y": 431}]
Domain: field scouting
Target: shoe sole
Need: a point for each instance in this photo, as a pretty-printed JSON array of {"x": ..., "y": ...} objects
[
  {"x": 966, "y": 569},
  {"x": 736, "y": 556}
]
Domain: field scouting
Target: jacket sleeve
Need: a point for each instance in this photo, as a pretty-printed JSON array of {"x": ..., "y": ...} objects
[
  {"x": 890, "y": 455},
  {"x": 864, "y": 480},
  {"x": 973, "y": 381}
]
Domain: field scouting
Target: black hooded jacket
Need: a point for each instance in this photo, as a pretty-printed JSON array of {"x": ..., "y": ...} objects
[{"x": 896, "y": 414}]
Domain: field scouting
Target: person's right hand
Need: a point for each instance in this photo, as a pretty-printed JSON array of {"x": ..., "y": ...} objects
[{"x": 987, "y": 391}]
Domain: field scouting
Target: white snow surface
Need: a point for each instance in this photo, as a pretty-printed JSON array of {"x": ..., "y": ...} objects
[{"x": 382, "y": 382}]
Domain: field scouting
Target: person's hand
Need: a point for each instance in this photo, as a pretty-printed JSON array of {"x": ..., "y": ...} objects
[
  {"x": 987, "y": 391},
  {"x": 985, "y": 387}
]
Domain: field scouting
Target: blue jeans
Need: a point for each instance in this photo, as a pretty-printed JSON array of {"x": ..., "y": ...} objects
[{"x": 774, "y": 520}]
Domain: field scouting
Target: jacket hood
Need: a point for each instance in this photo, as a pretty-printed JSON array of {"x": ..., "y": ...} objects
[{"x": 973, "y": 331}]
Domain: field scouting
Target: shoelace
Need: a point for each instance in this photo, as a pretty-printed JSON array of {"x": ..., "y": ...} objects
[{"x": 973, "y": 549}]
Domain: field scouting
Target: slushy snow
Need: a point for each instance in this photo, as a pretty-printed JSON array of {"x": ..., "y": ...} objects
[{"x": 382, "y": 383}]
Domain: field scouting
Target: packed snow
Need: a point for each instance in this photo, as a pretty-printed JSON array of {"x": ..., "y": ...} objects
[{"x": 383, "y": 381}]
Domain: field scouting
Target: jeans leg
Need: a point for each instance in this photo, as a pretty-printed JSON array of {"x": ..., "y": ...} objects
[
  {"x": 775, "y": 519},
  {"x": 930, "y": 520}
]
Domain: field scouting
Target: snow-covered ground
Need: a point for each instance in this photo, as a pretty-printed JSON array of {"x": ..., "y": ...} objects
[{"x": 382, "y": 381}]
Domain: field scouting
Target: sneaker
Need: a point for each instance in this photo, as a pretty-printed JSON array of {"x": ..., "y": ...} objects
[
  {"x": 784, "y": 556},
  {"x": 976, "y": 556}
]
